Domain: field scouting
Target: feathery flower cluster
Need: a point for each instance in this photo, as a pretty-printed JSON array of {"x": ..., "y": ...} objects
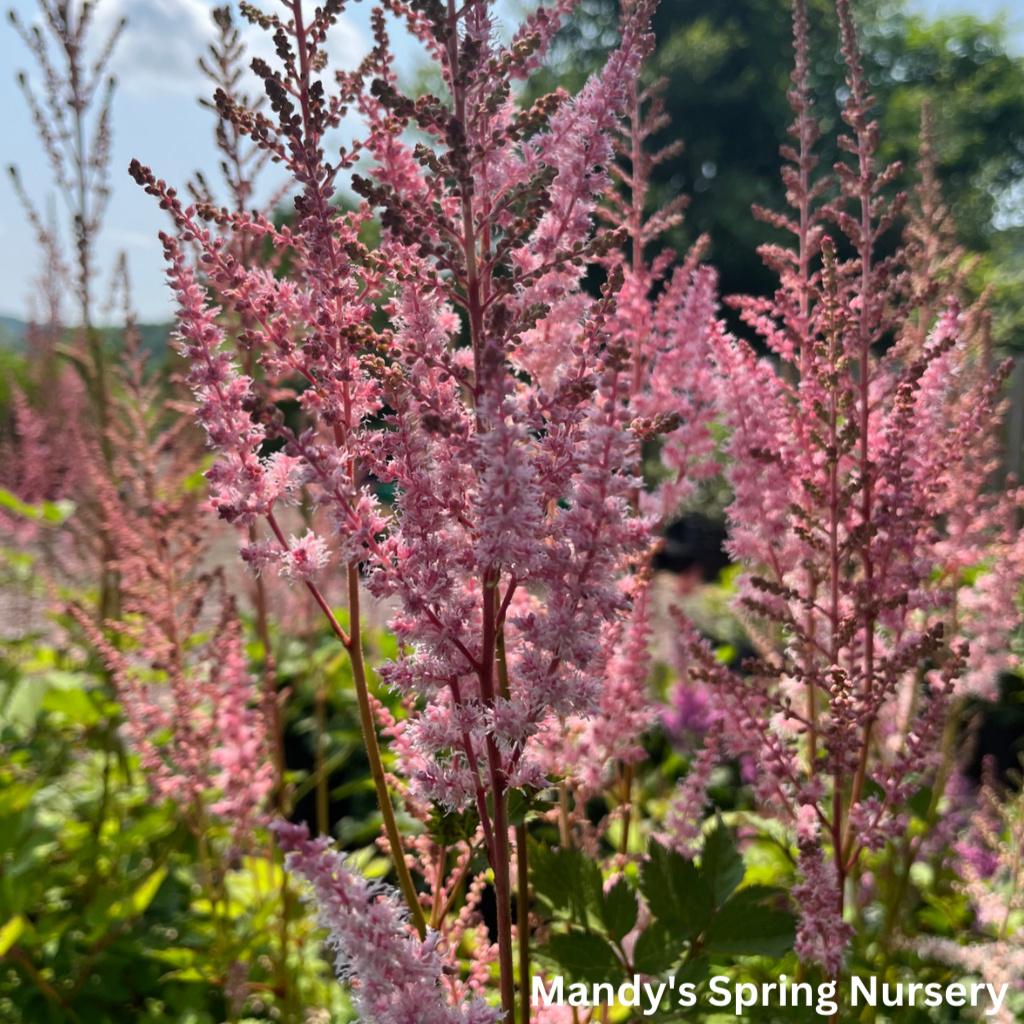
[
  {"x": 664, "y": 318},
  {"x": 193, "y": 709},
  {"x": 397, "y": 978},
  {"x": 989, "y": 859},
  {"x": 503, "y": 408},
  {"x": 194, "y": 719},
  {"x": 34, "y": 468}
]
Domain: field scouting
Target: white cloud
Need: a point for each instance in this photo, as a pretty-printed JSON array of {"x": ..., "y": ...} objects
[
  {"x": 163, "y": 39},
  {"x": 161, "y": 43},
  {"x": 124, "y": 239}
]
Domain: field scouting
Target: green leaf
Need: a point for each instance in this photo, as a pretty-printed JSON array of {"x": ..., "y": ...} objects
[
  {"x": 11, "y": 932},
  {"x": 75, "y": 705},
  {"x": 921, "y": 802},
  {"x": 522, "y": 804},
  {"x": 585, "y": 957},
  {"x": 655, "y": 951},
  {"x": 567, "y": 881},
  {"x": 746, "y": 927},
  {"x": 176, "y": 956},
  {"x": 54, "y": 512},
  {"x": 721, "y": 864},
  {"x": 189, "y": 974},
  {"x": 692, "y": 972},
  {"x": 872, "y": 788},
  {"x": 449, "y": 829},
  {"x": 619, "y": 909},
  {"x": 676, "y": 892},
  {"x": 141, "y": 898}
]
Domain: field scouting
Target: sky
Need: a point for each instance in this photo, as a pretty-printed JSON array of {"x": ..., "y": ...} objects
[{"x": 157, "y": 118}]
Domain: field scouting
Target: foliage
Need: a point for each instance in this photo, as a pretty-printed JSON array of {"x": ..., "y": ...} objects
[{"x": 726, "y": 65}]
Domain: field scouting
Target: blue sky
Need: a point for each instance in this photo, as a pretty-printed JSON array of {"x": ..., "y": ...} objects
[{"x": 157, "y": 119}]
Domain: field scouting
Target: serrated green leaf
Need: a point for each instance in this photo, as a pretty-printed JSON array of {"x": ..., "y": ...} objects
[
  {"x": 585, "y": 957},
  {"x": 619, "y": 909},
  {"x": 655, "y": 951},
  {"x": 676, "y": 891},
  {"x": 567, "y": 881},
  {"x": 744, "y": 926},
  {"x": 721, "y": 864}
]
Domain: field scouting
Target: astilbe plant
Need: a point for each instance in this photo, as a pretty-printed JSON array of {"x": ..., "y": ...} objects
[
  {"x": 849, "y": 464},
  {"x": 71, "y": 112},
  {"x": 72, "y": 119},
  {"x": 191, "y": 708},
  {"x": 191, "y": 705},
  {"x": 395, "y": 974},
  {"x": 979, "y": 554},
  {"x": 496, "y": 402}
]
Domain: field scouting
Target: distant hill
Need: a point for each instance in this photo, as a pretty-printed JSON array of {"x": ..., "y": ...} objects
[
  {"x": 154, "y": 336},
  {"x": 12, "y": 332}
]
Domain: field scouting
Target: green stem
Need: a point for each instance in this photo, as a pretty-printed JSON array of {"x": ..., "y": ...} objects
[
  {"x": 211, "y": 885},
  {"x": 627, "y": 809},
  {"x": 42, "y": 984},
  {"x": 355, "y": 651},
  {"x": 353, "y": 644},
  {"x": 564, "y": 834}
]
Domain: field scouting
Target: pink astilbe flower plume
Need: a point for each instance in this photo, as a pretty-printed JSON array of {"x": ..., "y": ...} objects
[
  {"x": 195, "y": 720},
  {"x": 981, "y": 550},
  {"x": 989, "y": 858},
  {"x": 193, "y": 711},
  {"x": 397, "y": 978},
  {"x": 664, "y": 318}
]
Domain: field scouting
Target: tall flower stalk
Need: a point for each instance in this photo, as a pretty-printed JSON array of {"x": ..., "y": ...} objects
[
  {"x": 513, "y": 460},
  {"x": 72, "y": 117},
  {"x": 504, "y": 407}
]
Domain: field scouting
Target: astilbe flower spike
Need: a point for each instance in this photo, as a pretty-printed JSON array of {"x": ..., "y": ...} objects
[
  {"x": 840, "y": 466},
  {"x": 663, "y": 317},
  {"x": 397, "y": 978},
  {"x": 193, "y": 710},
  {"x": 989, "y": 857}
]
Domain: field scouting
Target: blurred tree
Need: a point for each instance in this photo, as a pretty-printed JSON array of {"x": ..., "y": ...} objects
[{"x": 728, "y": 66}]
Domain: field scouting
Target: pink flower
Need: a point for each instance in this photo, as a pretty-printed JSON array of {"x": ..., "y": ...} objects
[
  {"x": 304, "y": 558},
  {"x": 396, "y": 979}
]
